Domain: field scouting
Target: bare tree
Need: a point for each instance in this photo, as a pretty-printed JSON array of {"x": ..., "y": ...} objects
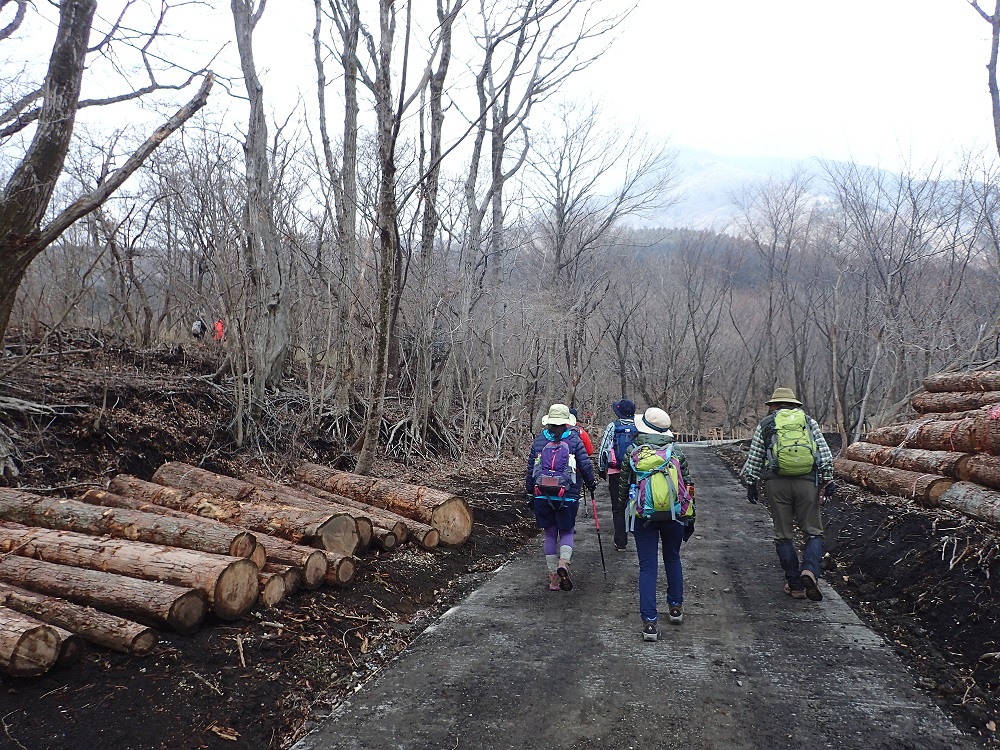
[{"x": 993, "y": 19}]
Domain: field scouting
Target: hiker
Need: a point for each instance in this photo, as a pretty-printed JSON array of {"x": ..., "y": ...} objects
[
  {"x": 558, "y": 466},
  {"x": 617, "y": 437},
  {"x": 790, "y": 459},
  {"x": 199, "y": 328},
  {"x": 656, "y": 485},
  {"x": 219, "y": 330},
  {"x": 579, "y": 430}
]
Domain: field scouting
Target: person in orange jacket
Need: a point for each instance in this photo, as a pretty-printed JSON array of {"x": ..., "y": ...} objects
[{"x": 578, "y": 429}]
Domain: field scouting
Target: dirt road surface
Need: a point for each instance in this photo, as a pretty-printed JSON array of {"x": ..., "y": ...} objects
[{"x": 518, "y": 666}]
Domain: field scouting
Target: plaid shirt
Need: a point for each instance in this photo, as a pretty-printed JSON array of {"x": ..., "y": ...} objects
[{"x": 756, "y": 465}]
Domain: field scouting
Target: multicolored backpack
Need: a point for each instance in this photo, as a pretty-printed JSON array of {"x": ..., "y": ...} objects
[
  {"x": 555, "y": 468},
  {"x": 659, "y": 492}
]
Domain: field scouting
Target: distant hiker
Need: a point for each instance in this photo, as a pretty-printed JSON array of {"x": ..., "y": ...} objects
[
  {"x": 617, "y": 437},
  {"x": 579, "y": 430},
  {"x": 219, "y": 330},
  {"x": 790, "y": 457},
  {"x": 656, "y": 486},
  {"x": 199, "y": 328},
  {"x": 558, "y": 466}
]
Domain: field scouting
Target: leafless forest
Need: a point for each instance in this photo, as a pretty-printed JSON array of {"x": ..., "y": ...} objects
[{"x": 440, "y": 245}]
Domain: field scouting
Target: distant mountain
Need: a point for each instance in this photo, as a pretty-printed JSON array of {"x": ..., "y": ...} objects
[{"x": 708, "y": 182}]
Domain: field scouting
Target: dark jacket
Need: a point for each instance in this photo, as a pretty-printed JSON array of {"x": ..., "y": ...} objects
[
  {"x": 584, "y": 467},
  {"x": 627, "y": 477}
]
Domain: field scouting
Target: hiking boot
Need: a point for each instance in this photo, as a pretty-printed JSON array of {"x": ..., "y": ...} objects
[
  {"x": 562, "y": 572},
  {"x": 676, "y": 614},
  {"x": 650, "y": 631},
  {"x": 812, "y": 588},
  {"x": 796, "y": 593},
  {"x": 553, "y": 582},
  {"x": 620, "y": 549}
]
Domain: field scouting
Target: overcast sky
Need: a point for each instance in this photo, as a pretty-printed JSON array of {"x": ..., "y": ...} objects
[{"x": 868, "y": 80}]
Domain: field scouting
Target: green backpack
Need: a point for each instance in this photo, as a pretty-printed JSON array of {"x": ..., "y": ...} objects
[{"x": 792, "y": 451}]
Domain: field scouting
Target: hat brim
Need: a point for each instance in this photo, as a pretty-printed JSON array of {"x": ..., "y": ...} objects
[
  {"x": 646, "y": 428},
  {"x": 784, "y": 401},
  {"x": 571, "y": 422}
]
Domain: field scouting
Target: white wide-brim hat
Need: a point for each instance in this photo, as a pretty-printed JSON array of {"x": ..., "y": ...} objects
[{"x": 653, "y": 421}]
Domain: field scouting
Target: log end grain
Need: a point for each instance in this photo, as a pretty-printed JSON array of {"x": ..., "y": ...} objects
[
  {"x": 188, "y": 612},
  {"x": 428, "y": 540},
  {"x": 32, "y": 653},
  {"x": 314, "y": 570},
  {"x": 236, "y": 590},
  {"x": 243, "y": 545},
  {"x": 453, "y": 521},
  {"x": 144, "y": 642},
  {"x": 272, "y": 589},
  {"x": 339, "y": 534},
  {"x": 340, "y": 569}
]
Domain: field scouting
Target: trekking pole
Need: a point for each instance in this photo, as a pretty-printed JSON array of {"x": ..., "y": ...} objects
[{"x": 593, "y": 504}]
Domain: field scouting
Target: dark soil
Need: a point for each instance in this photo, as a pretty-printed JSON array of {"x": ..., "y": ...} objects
[{"x": 260, "y": 682}]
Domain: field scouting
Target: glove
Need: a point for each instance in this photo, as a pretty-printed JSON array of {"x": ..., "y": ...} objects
[
  {"x": 691, "y": 490},
  {"x": 829, "y": 490},
  {"x": 688, "y": 531},
  {"x": 752, "y": 494},
  {"x": 592, "y": 487}
]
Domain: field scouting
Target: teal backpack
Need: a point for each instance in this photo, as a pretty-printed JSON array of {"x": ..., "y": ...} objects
[{"x": 659, "y": 492}]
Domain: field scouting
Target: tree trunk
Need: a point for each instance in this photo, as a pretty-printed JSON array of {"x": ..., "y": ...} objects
[
  {"x": 981, "y": 469},
  {"x": 404, "y": 528},
  {"x": 335, "y": 532},
  {"x": 986, "y": 380},
  {"x": 447, "y": 513},
  {"x": 973, "y": 500},
  {"x": 925, "y": 489},
  {"x": 976, "y": 434},
  {"x": 186, "y": 477},
  {"x": 28, "y": 647},
  {"x": 230, "y": 583},
  {"x": 311, "y": 562},
  {"x": 945, "y": 463},
  {"x": 272, "y": 493},
  {"x": 99, "y": 628},
  {"x": 119, "y": 523},
  {"x": 181, "y": 609},
  {"x": 948, "y": 402}
]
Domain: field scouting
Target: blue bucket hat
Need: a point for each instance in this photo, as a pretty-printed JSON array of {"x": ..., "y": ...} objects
[{"x": 623, "y": 409}]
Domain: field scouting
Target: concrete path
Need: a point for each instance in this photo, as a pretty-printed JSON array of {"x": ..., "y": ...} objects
[{"x": 517, "y": 666}]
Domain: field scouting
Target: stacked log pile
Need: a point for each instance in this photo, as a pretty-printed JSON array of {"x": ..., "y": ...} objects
[
  {"x": 949, "y": 455},
  {"x": 112, "y": 566}
]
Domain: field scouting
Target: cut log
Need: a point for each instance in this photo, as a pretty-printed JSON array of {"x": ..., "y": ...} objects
[
  {"x": 945, "y": 463},
  {"x": 311, "y": 561},
  {"x": 985, "y": 380},
  {"x": 120, "y": 523},
  {"x": 383, "y": 538},
  {"x": 978, "y": 434},
  {"x": 404, "y": 528},
  {"x": 272, "y": 588},
  {"x": 951, "y": 402},
  {"x": 339, "y": 568},
  {"x": 973, "y": 500},
  {"x": 447, "y": 513},
  {"x": 981, "y": 469},
  {"x": 99, "y": 628},
  {"x": 269, "y": 492},
  {"x": 230, "y": 583},
  {"x": 71, "y": 647},
  {"x": 291, "y": 575},
  {"x": 186, "y": 477},
  {"x": 159, "y": 604},
  {"x": 28, "y": 647},
  {"x": 336, "y": 532},
  {"x": 924, "y": 489}
]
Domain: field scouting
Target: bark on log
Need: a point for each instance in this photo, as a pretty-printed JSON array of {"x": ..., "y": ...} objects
[
  {"x": 120, "y": 523},
  {"x": 272, "y": 493},
  {"x": 99, "y": 628},
  {"x": 339, "y": 568},
  {"x": 925, "y": 489},
  {"x": 291, "y": 575},
  {"x": 272, "y": 588},
  {"x": 230, "y": 583},
  {"x": 978, "y": 434},
  {"x": 258, "y": 556},
  {"x": 952, "y": 402},
  {"x": 159, "y": 604},
  {"x": 973, "y": 500},
  {"x": 28, "y": 647},
  {"x": 985, "y": 380},
  {"x": 186, "y": 477},
  {"x": 945, "y": 463},
  {"x": 309, "y": 560},
  {"x": 336, "y": 532},
  {"x": 71, "y": 646},
  {"x": 404, "y": 528},
  {"x": 981, "y": 469},
  {"x": 447, "y": 513},
  {"x": 383, "y": 538}
]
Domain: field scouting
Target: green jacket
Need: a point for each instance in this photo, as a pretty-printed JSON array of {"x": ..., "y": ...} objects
[{"x": 627, "y": 478}]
